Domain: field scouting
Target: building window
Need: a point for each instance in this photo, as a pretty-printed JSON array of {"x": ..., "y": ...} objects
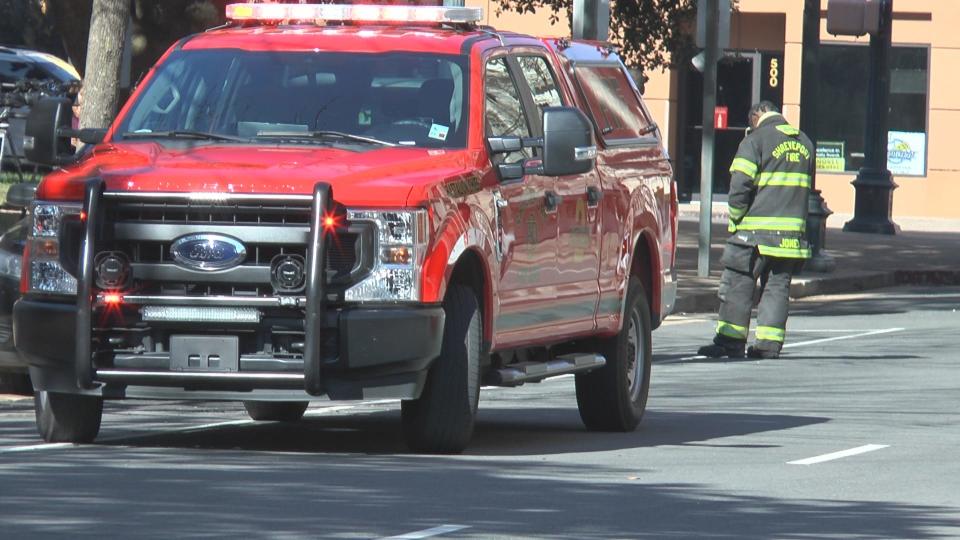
[{"x": 842, "y": 110}]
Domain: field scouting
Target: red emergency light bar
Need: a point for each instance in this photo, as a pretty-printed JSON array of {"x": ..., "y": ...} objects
[{"x": 353, "y": 13}]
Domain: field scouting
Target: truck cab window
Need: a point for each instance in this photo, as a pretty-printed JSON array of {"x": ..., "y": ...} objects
[
  {"x": 540, "y": 79},
  {"x": 504, "y": 114}
]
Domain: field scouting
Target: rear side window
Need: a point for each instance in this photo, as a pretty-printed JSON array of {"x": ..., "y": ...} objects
[{"x": 614, "y": 105}]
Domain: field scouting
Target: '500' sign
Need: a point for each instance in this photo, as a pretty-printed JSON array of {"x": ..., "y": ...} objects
[{"x": 774, "y": 72}]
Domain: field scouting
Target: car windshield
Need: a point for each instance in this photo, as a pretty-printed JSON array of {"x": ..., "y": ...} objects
[{"x": 290, "y": 97}]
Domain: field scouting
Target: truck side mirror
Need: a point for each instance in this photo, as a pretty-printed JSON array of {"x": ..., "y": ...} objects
[
  {"x": 568, "y": 146},
  {"x": 48, "y": 131},
  {"x": 22, "y": 194}
]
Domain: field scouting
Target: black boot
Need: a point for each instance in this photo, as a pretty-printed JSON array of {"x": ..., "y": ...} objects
[
  {"x": 723, "y": 347},
  {"x": 765, "y": 349}
]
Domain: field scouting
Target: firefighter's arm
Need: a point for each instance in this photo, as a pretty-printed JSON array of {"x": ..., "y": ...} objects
[{"x": 743, "y": 174}]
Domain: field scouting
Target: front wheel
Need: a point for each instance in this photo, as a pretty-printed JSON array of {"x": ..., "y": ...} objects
[
  {"x": 276, "y": 411},
  {"x": 67, "y": 417},
  {"x": 614, "y": 397},
  {"x": 441, "y": 420}
]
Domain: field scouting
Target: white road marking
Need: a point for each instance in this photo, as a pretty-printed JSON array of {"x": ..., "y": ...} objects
[
  {"x": 678, "y": 322},
  {"x": 841, "y": 454},
  {"x": 45, "y": 446},
  {"x": 187, "y": 429},
  {"x": 803, "y": 343},
  {"x": 428, "y": 533},
  {"x": 839, "y": 338}
]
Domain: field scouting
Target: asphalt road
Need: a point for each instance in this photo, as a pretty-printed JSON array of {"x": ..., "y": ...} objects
[{"x": 853, "y": 433}]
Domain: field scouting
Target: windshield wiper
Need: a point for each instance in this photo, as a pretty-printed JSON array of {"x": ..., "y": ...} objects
[
  {"x": 323, "y": 134},
  {"x": 182, "y": 134}
]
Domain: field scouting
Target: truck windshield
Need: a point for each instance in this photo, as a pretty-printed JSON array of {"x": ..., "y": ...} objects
[{"x": 274, "y": 97}]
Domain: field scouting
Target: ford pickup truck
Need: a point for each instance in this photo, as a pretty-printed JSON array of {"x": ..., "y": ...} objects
[{"x": 348, "y": 202}]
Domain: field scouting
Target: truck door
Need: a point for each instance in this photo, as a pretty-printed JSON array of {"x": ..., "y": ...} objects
[
  {"x": 578, "y": 217},
  {"x": 527, "y": 225}
]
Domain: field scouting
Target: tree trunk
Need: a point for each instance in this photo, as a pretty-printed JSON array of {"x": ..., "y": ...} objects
[{"x": 101, "y": 83}]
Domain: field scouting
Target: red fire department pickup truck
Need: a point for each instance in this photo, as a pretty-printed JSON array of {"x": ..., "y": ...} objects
[{"x": 352, "y": 202}]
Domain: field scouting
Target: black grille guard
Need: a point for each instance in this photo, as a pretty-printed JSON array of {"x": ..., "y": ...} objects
[{"x": 322, "y": 205}]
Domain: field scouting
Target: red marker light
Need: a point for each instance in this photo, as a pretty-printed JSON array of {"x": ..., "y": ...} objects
[
  {"x": 329, "y": 222},
  {"x": 112, "y": 299},
  {"x": 83, "y": 216}
]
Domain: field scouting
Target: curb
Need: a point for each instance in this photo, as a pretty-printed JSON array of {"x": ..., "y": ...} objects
[{"x": 707, "y": 301}]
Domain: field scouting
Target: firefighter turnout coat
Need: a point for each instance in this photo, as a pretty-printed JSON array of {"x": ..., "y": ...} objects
[{"x": 769, "y": 185}]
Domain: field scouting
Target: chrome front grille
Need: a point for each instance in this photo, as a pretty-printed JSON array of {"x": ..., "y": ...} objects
[{"x": 143, "y": 228}]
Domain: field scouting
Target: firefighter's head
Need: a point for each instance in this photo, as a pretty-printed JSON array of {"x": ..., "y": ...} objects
[{"x": 758, "y": 111}]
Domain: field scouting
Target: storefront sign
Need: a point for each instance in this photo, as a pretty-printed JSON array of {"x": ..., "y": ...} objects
[
  {"x": 907, "y": 153},
  {"x": 771, "y": 77},
  {"x": 831, "y": 156}
]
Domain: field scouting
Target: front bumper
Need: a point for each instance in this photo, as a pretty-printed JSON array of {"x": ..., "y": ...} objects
[
  {"x": 377, "y": 352},
  {"x": 114, "y": 350}
]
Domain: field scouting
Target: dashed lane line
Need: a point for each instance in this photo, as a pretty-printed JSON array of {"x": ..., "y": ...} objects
[
  {"x": 428, "y": 533},
  {"x": 838, "y": 455}
]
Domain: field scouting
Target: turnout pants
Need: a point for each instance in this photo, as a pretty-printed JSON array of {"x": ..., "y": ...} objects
[{"x": 743, "y": 266}]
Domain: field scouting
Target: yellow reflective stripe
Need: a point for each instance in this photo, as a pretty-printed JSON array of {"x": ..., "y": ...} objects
[
  {"x": 785, "y": 179},
  {"x": 786, "y": 253},
  {"x": 788, "y": 130},
  {"x": 757, "y": 223},
  {"x": 771, "y": 333},
  {"x": 732, "y": 330},
  {"x": 732, "y": 226},
  {"x": 744, "y": 166},
  {"x": 737, "y": 213}
]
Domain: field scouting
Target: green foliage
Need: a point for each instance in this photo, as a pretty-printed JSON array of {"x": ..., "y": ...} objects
[{"x": 651, "y": 34}]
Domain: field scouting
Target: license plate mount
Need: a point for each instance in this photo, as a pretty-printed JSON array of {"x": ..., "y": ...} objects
[{"x": 205, "y": 353}]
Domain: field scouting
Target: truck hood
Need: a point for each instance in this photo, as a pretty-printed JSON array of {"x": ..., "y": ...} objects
[{"x": 377, "y": 177}]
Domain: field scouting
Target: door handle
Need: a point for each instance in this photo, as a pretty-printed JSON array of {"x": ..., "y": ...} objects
[
  {"x": 551, "y": 201},
  {"x": 594, "y": 194}
]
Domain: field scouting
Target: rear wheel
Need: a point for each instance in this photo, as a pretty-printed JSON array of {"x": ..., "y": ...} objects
[
  {"x": 67, "y": 417},
  {"x": 276, "y": 411},
  {"x": 441, "y": 420},
  {"x": 614, "y": 397}
]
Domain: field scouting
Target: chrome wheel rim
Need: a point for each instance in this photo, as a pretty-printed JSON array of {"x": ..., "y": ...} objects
[{"x": 634, "y": 355}]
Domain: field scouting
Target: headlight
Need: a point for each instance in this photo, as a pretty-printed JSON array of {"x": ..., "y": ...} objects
[
  {"x": 401, "y": 247},
  {"x": 46, "y": 274}
]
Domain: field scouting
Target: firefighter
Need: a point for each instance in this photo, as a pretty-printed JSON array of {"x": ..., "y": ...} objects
[{"x": 769, "y": 184}]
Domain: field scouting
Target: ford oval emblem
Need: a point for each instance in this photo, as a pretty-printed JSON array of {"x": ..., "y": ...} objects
[{"x": 207, "y": 252}]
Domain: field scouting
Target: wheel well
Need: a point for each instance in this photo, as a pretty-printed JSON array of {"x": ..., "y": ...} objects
[
  {"x": 641, "y": 267},
  {"x": 469, "y": 271}
]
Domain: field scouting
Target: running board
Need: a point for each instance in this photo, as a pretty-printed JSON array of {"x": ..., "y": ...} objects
[{"x": 517, "y": 374}]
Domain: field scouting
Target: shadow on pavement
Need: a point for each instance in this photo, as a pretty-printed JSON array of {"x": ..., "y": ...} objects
[
  {"x": 146, "y": 492},
  {"x": 499, "y": 432}
]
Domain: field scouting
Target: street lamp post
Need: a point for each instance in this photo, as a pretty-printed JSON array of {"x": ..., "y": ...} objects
[
  {"x": 819, "y": 261},
  {"x": 874, "y": 184}
]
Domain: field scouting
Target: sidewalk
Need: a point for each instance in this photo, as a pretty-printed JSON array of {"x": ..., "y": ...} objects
[{"x": 926, "y": 252}]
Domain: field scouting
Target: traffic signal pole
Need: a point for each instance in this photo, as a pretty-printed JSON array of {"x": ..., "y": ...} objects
[
  {"x": 818, "y": 212},
  {"x": 874, "y": 185},
  {"x": 711, "y": 56}
]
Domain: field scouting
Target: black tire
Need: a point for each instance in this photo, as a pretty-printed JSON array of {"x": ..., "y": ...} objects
[
  {"x": 441, "y": 420},
  {"x": 67, "y": 417},
  {"x": 614, "y": 397},
  {"x": 276, "y": 411}
]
